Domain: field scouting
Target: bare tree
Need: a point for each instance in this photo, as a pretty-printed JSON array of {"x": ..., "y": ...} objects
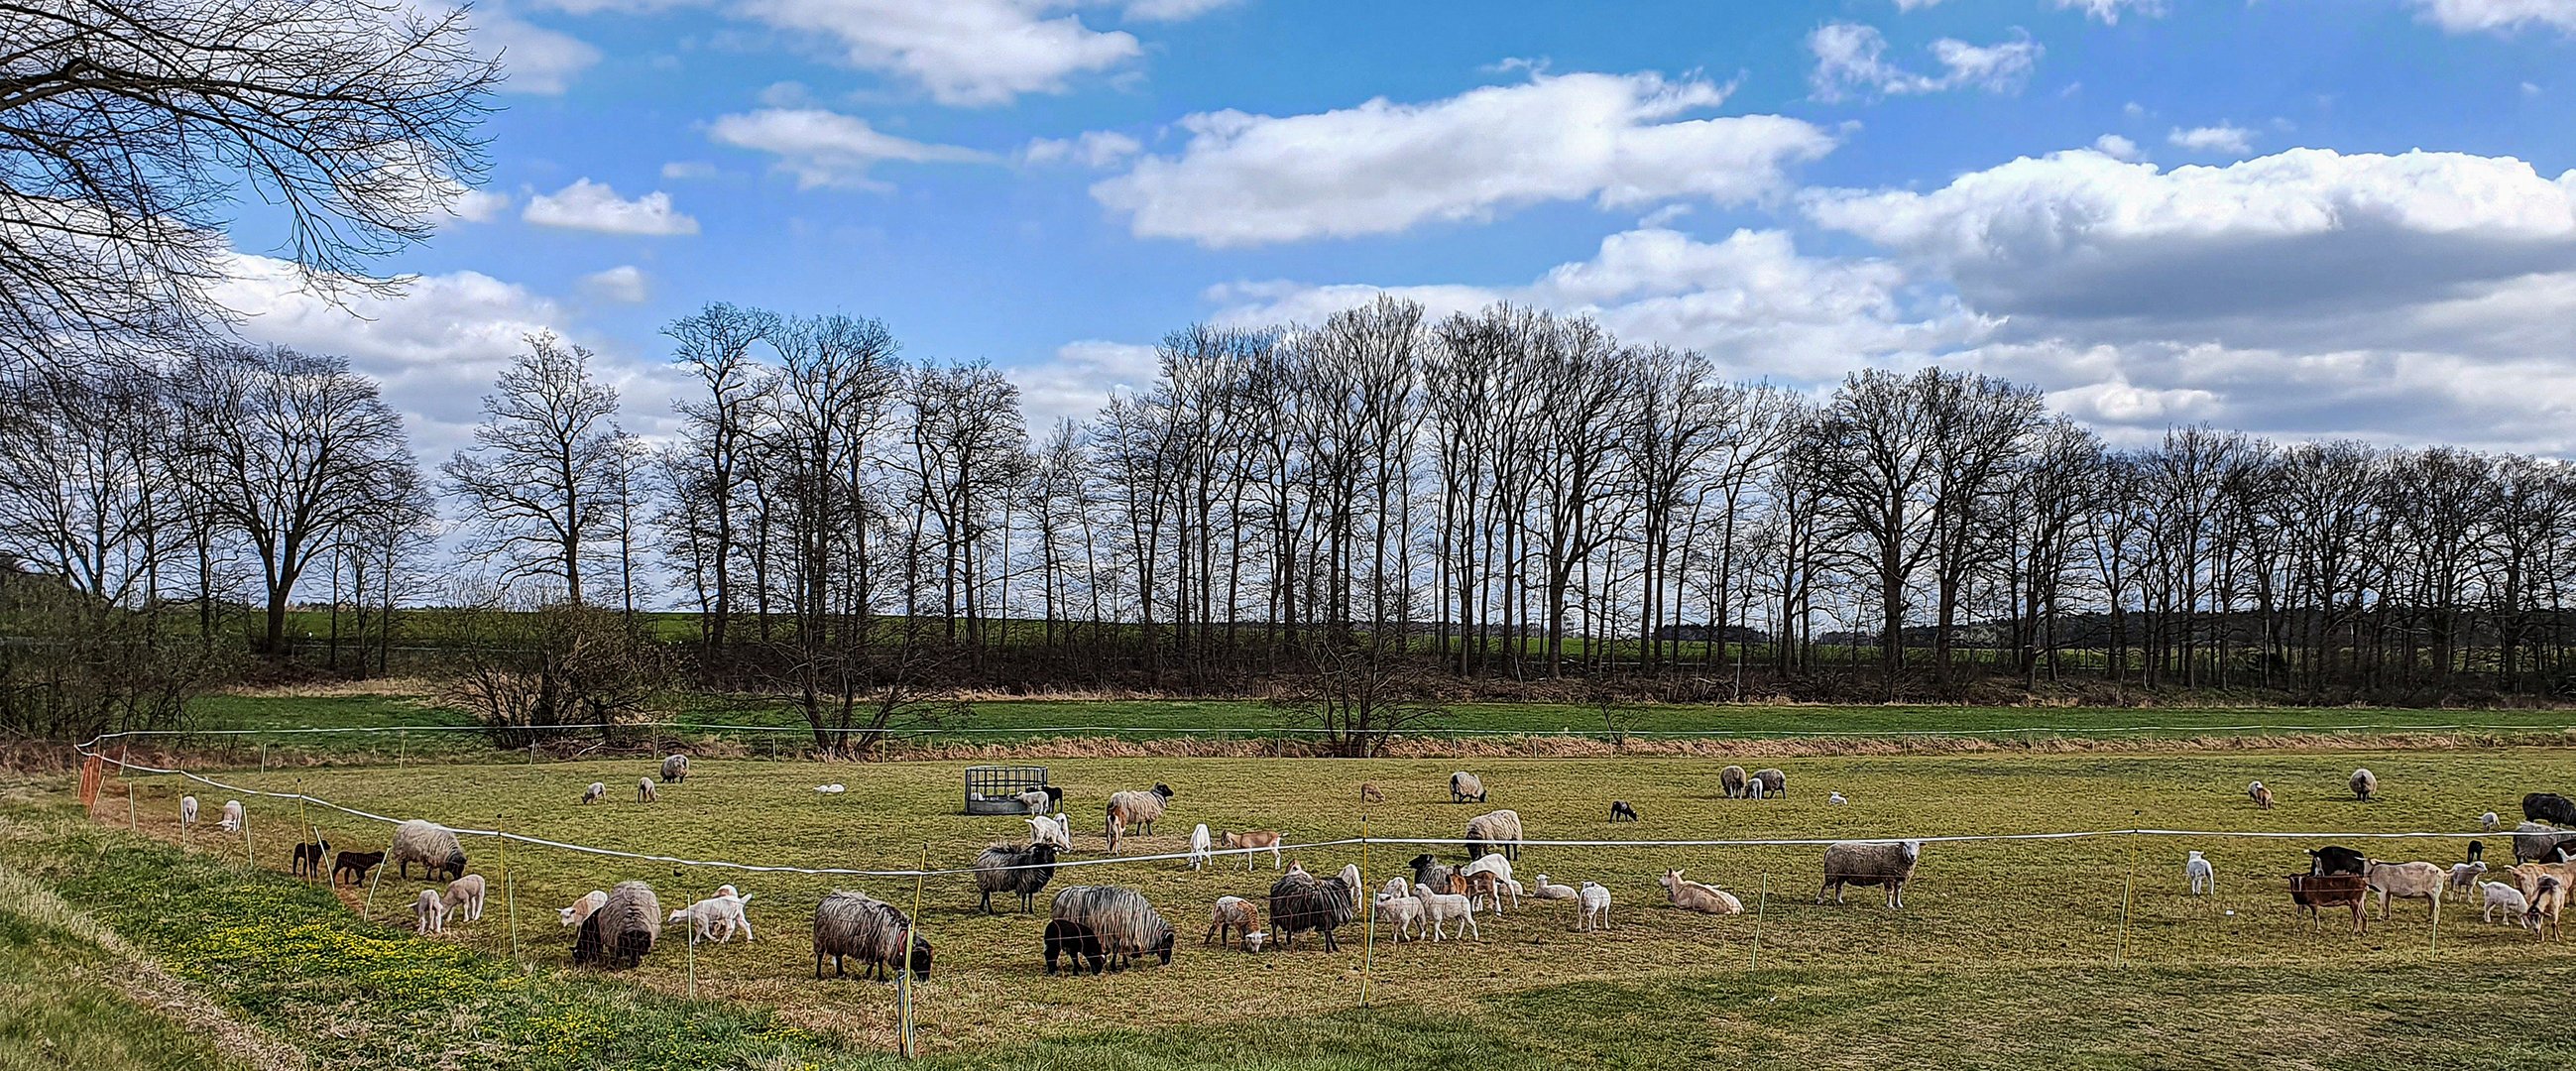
[{"x": 539, "y": 483}]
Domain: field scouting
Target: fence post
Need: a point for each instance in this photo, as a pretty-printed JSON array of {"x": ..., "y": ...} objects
[
  {"x": 249, "y": 858},
  {"x": 2120, "y": 953},
  {"x": 509, "y": 893},
  {"x": 904, "y": 994},
  {"x": 132, "y": 824},
  {"x": 263, "y": 756},
  {"x": 402, "y": 748},
  {"x": 1368, "y": 937},
  {"x": 368, "y": 911},
  {"x": 1761, "y": 907}
]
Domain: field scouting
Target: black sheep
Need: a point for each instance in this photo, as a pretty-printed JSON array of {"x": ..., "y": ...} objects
[
  {"x": 1298, "y": 902},
  {"x": 1076, "y": 944},
  {"x": 1005, "y": 869},
  {"x": 1621, "y": 812},
  {"x": 2549, "y": 807},
  {"x": 355, "y": 864},
  {"x": 2333, "y": 859}
]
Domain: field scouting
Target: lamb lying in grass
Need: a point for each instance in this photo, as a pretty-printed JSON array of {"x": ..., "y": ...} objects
[
  {"x": 1544, "y": 891},
  {"x": 1693, "y": 896}
]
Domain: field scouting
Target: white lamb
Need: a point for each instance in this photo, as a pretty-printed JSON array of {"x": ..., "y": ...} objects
[
  {"x": 2490, "y": 822},
  {"x": 1444, "y": 907},
  {"x": 2504, "y": 897},
  {"x": 1398, "y": 887},
  {"x": 1401, "y": 913},
  {"x": 466, "y": 894},
  {"x": 2204, "y": 878},
  {"x": 1202, "y": 847},
  {"x": 2464, "y": 876},
  {"x": 597, "y": 791},
  {"x": 1044, "y": 830},
  {"x": 1544, "y": 891},
  {"x": 232, "y": 822},
  {"x": 1501, "y": 868},
  {"x": 1836, "y": 798},
  {"x": 581, "y": 909},
  {"x": 429, "y": 912},
  {"x": 1595, "y": 903},
  {"x": 716, "y": 917}
]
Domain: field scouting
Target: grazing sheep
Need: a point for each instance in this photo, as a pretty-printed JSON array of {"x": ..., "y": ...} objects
[
  {"x": 1753, "y": 790},
  {"x": 467, "y": 893},
  {"x": 2261, "y": 796},
  {"x": 1835, "y": 798},
  {"x": 1125, "y": 924},
  {"x": 1200, "y": 846},
  {"x": 1050, "y": 831},
  {"x": 622, "y": 930},
  {"x": 355, "y": 864},
  {"x": 1072, "y": 942},
  {"x": 1693, "y": 896},
  {"x": 2407, "y": 881},
  {"x": 1773, "y": 782},
  {"x": 310, "y": 857},
  {"x": 645, "y": 792},
  {"x": 2547, "y": 901},
  {"x": 1594, "y": 903},
  {"x": 583, "y": 908},
  {"x": 2477, "y": 851},
  {"x": 675, "y": 768},
  {"x": 187, "y": 812},
  {"x": 2534, "y": 841},
  {"x": 2203, "y": 878},
  {"x": 1880, "y": 862},
  {"x": 850, "y": 925},
  {"x": 2335, "y": 859},
  {"x": 2489, "y": 823},
  {"x": 1299, "y": 903},
  {"x": 1369, "y": 793},
  {"x": 1402, "y": 913},
  {"x": 716, "y": 917},
  {"x": 1398, "y": 887},
  {"x": 2549, "y": 807},
  {"x": 1621, "y": 812},
  {"x": 597, "y": 791},
  {"x": 1233, "y": 916},
  {"x": 2500, "y": 896},
  {"x": 1731, "y": 781},
  {"x": 1499, "y": 830},
  {"x": 1005, "y": 869},
  {"x": 2364, "y": 785},
  {"x": 232, "y": 822},
  {"x": 429, "y": 913},
  {"x": 1034, "y": 801},
  {"x": 431, "y": 845},
  {"x": 1542, "y": 890},
  {"x": 1136, "y": 808},
  {"x": 1440, "y": 907},
  {"x": 1251, "y": 840},
  {"x": 2464, "y": 876},
  {"x": 1466, "y": 787}
]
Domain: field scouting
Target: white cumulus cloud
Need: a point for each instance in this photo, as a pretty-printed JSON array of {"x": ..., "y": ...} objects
[
  {"x": 2223, "y": 138},
  {"x": 624, "y": 283},
  {"x": 824, "y": 148},
  {"x": 2498, "y": 16},
  {"x": 594, "y": 206},
  {"x": 1851, "y": 60}
]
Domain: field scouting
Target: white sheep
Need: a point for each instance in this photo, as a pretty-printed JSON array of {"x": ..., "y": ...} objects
[
  {"x": 1401, "y": 913},
  {"x": 2490, "y": 822},
  {"x": 2464, "y": 876},
  {"x": 2503, "y": 897},
  {"x": 716, "y": 917},
  {"x": 2407, "y": 881},
  {"x": 1398, "y": 887},
  {"x": 466, "y": 893},
  {"x": 1836, "y": 798},
  {"x": 597, "y": 791},
  {"x": 1595, "y": 904},
  {"x": 1044, "y": 830},
  {"x": 1493, "y": 863},
  {"x": 429, "y": 912},
  {"x": 1541, "y": 890},
  {"x": 2203, "y": 877},
  {"x": 1439, "y": 907},
  {"x": 1201, "y": 847},
  {"x": 833, "y": 789},
  {"x": 644, "y": 790},
  {"x": 581, "y": 909},
  {"x": 187, "y": 812},
  {"x": 232, "y": 822}
]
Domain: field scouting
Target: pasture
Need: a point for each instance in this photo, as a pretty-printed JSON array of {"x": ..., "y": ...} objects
[{"x": 1985, "y": 921}]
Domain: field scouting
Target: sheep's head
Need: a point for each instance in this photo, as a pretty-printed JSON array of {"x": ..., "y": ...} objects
[
  {"x": 1163, "y": 790},
  {"x": 1252, "y": 942},
  {"x": 920, "y": 957},
  {"x": 1163, "y": 948},
  {"x": 1350, "y": 876}
]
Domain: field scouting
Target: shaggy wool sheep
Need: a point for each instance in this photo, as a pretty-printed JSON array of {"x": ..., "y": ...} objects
[
  {"x": 597, "y": 791},
  {"x": 466, "y": 894},
  {"x": 429, "y": 913},
  {"x": 2202, "y": 877},
  {"x": 675, "y": 768},
  {"x": 583, "y": 908},
  {"x": 1774, "y": 783},
  {"x": 1299, "y": 903},
  {"x": 2365, "y": 785},
  {"x": 2502, "y": 897},
  {"x": 849, "y": 925},
  {"x": 2549, "y": 807},
  {"x": 1465, "y": 787},
  {"x": 1593, "y": 902},
  {"x": 431, "y": 845},
  {"x": 1124, "y": 922},
  {"x": 1251, "y": 841},
  {"x": 232, "y": 822},
  {"x": 1431, "y": 872},
  {"x": 1878, "y": 862},
  {"x": 1134, "y": 807},
  {"x": 1005, "y": 869},
  {"x": 187, "y": 812},
  {"x": 1497, "y": 830},
  {"x": 1731, "y": 781},
  {"x": 623, "y": 930},
  {"x": 1693, "y": 896},
  {"x": 1543, "y": 890},
  {"x": 355, "y": 865},
  {"x": 2407, "y": 881},
  {"x": 2261, "y": 796}
]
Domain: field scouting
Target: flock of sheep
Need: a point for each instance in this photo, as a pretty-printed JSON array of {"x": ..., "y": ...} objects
[{"x": 2535, "y": 894}]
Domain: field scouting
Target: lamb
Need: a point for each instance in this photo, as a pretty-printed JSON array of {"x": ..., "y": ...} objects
[
  {"x": 1071, "y": 941},
  {"x": 2549, "y": 807},
  {"x": 1500, "y": 830},
  {"x": 1853, "y": 862},
  {"x": 1753, "y": 790},
  {"x": 309, "y": 857},
  {"x": 2532, "y": 840},
  {"x": 2364, "y": 785},
  {"x": 1402, "y": 913},
  {"x": 1045, "y": 830},
  {"x": 1369, "y": 793},
  {"x": 1124, "y": 923},
  {"x": 675, "y": 768},
  {"x": 1542, "y": 890},
  {"x": 1693, "y": 896},
  {"x": 1398, "y": 887},
  {"x": 583, "y": 908},
  {"x": 1199, "y": 847},
  {"x": 1440, "y": 907},
  {"x": 1233, "y": 916},
  {"x": 1835, "y": 798},
  {"x": 2407, "y": 881},
  {"x": 429, "y": 913},
  {"x": 1501, "y": 869},
  {"x": 1252, "y": 840},
  {"x": 716, "y": 917},
  {"x": 2464, "y": 876},
  {"x": 2477, "y": 851},
  {"x": 622, "y": 930},
  {"x": 431, "y": 845},
  {"x": 1033, "y": 801},
  {"x": 232, "y": 822},
  {"x": 187, "y": 812},
  {"x": 2335, "y": 859},
  {"x": 2203, "y": 877},
  {"x": 1621, "y": 812},
  {"x": 1774, "y": 783},
  {"x": 1299, "y": 903},
  {"x": 833, "y": 789},
  {"x": 355, "y": 864},
  {"x": 645, "y": 792},
  {"x": 1594, "y": 902},
  {"x": 1005, "y": 869},
  {"x": 2261, "y": 796},
  {"x": 597, "y": 791},
  {"x": 1464, "y": 786},
  {"x": 849, "y": 925},
  {"x": 2500, "y": 896},
  {"x": 1731, "y": 781},
  {"x": 466, "y": 893},
  {"x": 2488, "y": 822},
  {"x": 2547, "y": 901},
  {"x": 1136, "y": 808}
]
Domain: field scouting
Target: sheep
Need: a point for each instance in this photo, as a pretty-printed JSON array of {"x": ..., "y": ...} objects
[
  {"x": 1398, "y": 887},
  {"x": 1370, "y": 793},
  {"x": 2364, "y": 785},
  {"x": 1499, "y": 829},
  {"x": 597, "y": 791},
  {"x": 2489, "y": 823},
  {"x": 2477, "y": 851},
  {"x": 1465, "y": 787},
  {"x": 716, "y": 917},
  {"x": 1430, "y": 871},
  {"x": 187, "y": 812},
  {"x": 2335, "y": 859},
  {"x": 1200, "y": 847},
  {"x": 1252, "y": 840},
  {"x": 2261, "y": 796},
  {"x": 2500, "y": 896},
  {"x": 1299, "y": 903},
  {"x": 2547, "y": 901},
  {"x": 2549, "y": 807},
  {"x": 1440, "y": 907},
  {"x": 1731, "y": 781},
  {"x": 355, "y": 864},
  {"x": 1884, "y": 862},
  {"x": 1835, "y": 798},
  {"x": 467, "y": 893},
  {"x": 1125, "y": 924},
  {"x": 309, "y": 857},
  {"x": 1050, "y": 831},
  {"x": 431, "y": 845},
  {"x": 1621, "y": 812},
  {"x": 1501, "y": 870},
  {"x": 429, "y": 913},
  {"x": 1402, "y": 913},
  {"x": 849, "y": 925},
  {"x": 1137, "y": 808},
  {"x": 675, "y": 768},
  {"x": 232, "y": 822},
  {"x": 1774, "y": 783},
  {"x": 581, "y": 909},
  {"x": 1074, "y": 943},
  {"x": 1594, "y": 903},
  {"x": 1233, "y": 916},
  {"x": 623, "y": 929},
  {"x": 2464, "y": 876},
  {"x": 2203, "y": 877},
  {"x": 1542, "y": 890},
  {"x": 2534, "y": 841},
  {"x": 1034, "y": 801},
  {"x": 1693, "y": 896},
  {"x": 2407, "y": 881},
  {"x": 1753, "y": 790},
  {"x": 1005, "y": 869},
  {"x": 645, "y": 792}
]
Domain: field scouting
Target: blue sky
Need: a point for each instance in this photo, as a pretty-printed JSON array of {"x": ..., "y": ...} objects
[{"x": 2300, "y": 217}]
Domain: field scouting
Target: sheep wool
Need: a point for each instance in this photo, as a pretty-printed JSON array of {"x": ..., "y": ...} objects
[
  {"x": 1594, "y": 902},
  {"x": 624, "y": 928},
  {"x": 1731, "y": 780},
  {"x": 187, "y": 811},
  {"x": 1465, "y": 787},
  {"x": 1299, "y": 903},
  {"x": 1124, "y": 922},
  {"x": 1496, "y": 831},
  {"x": 429, "y": 912},
  {"x": 1134, "y": 808},
  {"x": 596, "y": 792},
  {"x": 581, "y": 909},
  {"x": 861, "y": 927},
  {"x": 1866, "y": 862},
  {"x": 675, "y": 768},
  {"x": 1006, "y": 869},
  {"x": 232, "y": 822},
  {"x": 2365, "y": 784},
  {"x": 1774, "y": 783},
  {"x": 431, "y": 845}
]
